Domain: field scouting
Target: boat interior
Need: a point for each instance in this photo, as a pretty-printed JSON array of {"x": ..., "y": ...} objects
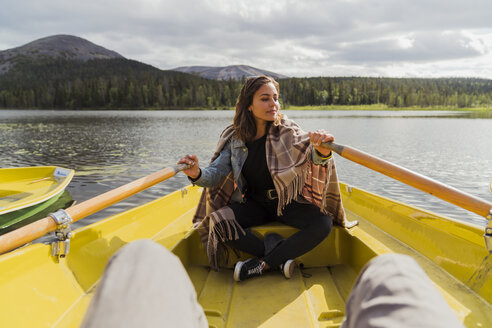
[
  {"x": 59, "y": 290},
  {"x": 317, "y": 293}
]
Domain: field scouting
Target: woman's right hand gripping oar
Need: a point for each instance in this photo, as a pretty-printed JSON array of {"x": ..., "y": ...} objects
[{"x": 194, "y": 170}]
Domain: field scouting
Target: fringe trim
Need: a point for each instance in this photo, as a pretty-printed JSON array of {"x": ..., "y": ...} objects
[
  {"x": 222, "y": 227},
  {"x": 293, "y": 188},
  {"x": 324, "y": 200}
]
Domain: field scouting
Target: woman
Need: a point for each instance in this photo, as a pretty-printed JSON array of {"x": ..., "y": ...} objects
[{"x": 265, "y": 169}]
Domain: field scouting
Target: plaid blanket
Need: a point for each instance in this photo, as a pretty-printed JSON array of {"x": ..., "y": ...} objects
[{"x": 288, "y": 152}]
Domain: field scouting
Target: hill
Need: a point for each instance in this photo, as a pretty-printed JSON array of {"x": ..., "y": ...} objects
[
  {"x": 55, "y": 47},
  {"x": 67, "y": 72},
  {"x": 234, "y": 72},
  {"x": 116, "y": 83}
]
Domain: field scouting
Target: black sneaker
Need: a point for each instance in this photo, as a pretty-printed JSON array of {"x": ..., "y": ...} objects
[
  {"x": 248, "y": 269},
  {"x": 271, "y": 241}
]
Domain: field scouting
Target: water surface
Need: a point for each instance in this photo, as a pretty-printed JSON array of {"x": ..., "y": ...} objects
[{"x": 110, "y": 148}]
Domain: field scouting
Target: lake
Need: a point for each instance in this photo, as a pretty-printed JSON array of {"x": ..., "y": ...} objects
[{"x": 110, "y": 148}]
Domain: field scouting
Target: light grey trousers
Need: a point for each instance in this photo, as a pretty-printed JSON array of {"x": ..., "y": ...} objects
[
  {"x": 145, "y": 285},
  {"x": 393, "y": 291}
]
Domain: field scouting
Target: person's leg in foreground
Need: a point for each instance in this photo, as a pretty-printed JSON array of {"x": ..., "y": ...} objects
[
  {"x": 144, "y": 285},
  {"x": 393, "y": 291}
]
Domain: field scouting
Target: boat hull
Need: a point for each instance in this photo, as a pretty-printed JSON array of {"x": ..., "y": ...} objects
[
  {"x": 22, "y": 187},
  {"x": 44, "y": 291},
  {"x": 17, "y": 219},
  {"x": 28, "y": 194}
]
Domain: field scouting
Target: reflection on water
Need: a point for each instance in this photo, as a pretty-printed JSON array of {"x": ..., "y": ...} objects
[{"x": 110, "y": 148}]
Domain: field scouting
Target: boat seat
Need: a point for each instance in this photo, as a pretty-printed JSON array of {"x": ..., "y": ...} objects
[
  {"x": 280, "y": 228},
  {"x": 327, "y": 253}
]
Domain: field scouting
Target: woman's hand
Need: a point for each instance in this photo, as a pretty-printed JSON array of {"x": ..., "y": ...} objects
[
  {"x": 318, "y": 137},
  {"x": 194, "y": 170}
]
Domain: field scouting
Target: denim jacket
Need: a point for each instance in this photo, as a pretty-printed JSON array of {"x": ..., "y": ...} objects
[{"x": 232, "y": 157}]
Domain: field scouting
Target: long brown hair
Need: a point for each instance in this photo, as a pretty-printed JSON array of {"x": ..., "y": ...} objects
[{"x": 244, "y": 121}]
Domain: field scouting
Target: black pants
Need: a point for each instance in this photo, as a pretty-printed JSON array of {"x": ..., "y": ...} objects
[{"x": 314, "y": 227}]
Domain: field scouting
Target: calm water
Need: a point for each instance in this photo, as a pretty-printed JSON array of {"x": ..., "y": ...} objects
[{"x": 110, "y": 148}]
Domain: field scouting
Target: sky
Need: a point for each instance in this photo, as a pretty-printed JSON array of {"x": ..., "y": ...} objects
[{"x": 302, "y": 38}]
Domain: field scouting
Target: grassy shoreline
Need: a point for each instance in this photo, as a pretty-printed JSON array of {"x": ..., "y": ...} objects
[
  {"x": 375, "y": 107},
  {"x": 382, "y": 107}
]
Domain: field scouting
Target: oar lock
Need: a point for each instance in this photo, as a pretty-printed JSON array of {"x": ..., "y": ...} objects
[
  {"x": 488, "y": 233},
  {"x": 63, "y": 232},
  {"x": 488, "y": 229}
]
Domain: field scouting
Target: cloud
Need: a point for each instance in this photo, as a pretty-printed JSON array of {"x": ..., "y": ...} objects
[
  {"x": 310, "y": 37},
  {"x": 415, "y": 47}
]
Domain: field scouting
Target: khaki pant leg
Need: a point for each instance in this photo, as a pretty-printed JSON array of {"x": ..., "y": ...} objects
[
  {"x": 393, "y": 291},
  {"x": 144, "y": 285}
]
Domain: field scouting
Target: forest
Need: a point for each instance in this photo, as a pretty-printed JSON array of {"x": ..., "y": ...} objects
[{"x": 128, "y": 84}]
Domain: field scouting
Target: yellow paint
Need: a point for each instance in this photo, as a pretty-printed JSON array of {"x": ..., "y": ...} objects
[
  {"x": 39, "y": 291},
  {"x": 457, "y": 247},
  {"x": 27, "y": 186}
]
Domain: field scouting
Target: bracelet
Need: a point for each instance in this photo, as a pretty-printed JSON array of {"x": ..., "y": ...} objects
[
  {"x": 323, "y": 156},
  {"x": 198, "y": 177}
]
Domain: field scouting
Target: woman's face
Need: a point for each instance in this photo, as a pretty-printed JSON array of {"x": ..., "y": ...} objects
[{"x": 265, "y": 103}]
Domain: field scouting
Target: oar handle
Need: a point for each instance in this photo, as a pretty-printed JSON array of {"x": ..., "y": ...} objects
[
  {"x": 416, "y": 180},
  {"x": 41, "y": 227}
]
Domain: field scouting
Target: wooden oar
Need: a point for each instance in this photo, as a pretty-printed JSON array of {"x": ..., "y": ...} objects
[
  {"x": 41, "y": 227},
  {"x": 416, "y": 180}
]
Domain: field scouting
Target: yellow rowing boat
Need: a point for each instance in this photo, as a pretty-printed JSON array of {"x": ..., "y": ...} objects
[
  {"x": 39, "y": 290},
  {"x": 28, "y": 192},
  {"x": 22, "y": 187}
]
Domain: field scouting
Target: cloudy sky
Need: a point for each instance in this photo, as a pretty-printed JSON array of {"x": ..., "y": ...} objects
[{"x": 398, "y": 38}]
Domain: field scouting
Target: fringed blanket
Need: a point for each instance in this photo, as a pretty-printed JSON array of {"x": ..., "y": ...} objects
[{"x": 288, "y": 152}]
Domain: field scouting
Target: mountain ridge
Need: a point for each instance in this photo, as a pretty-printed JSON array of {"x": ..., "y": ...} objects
[
  {"x": 70, "y": 47},
  {"x": 57, "y": 72},
  {"x": 235, "y": 72},
  {"x": 59, "y": 46}
]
